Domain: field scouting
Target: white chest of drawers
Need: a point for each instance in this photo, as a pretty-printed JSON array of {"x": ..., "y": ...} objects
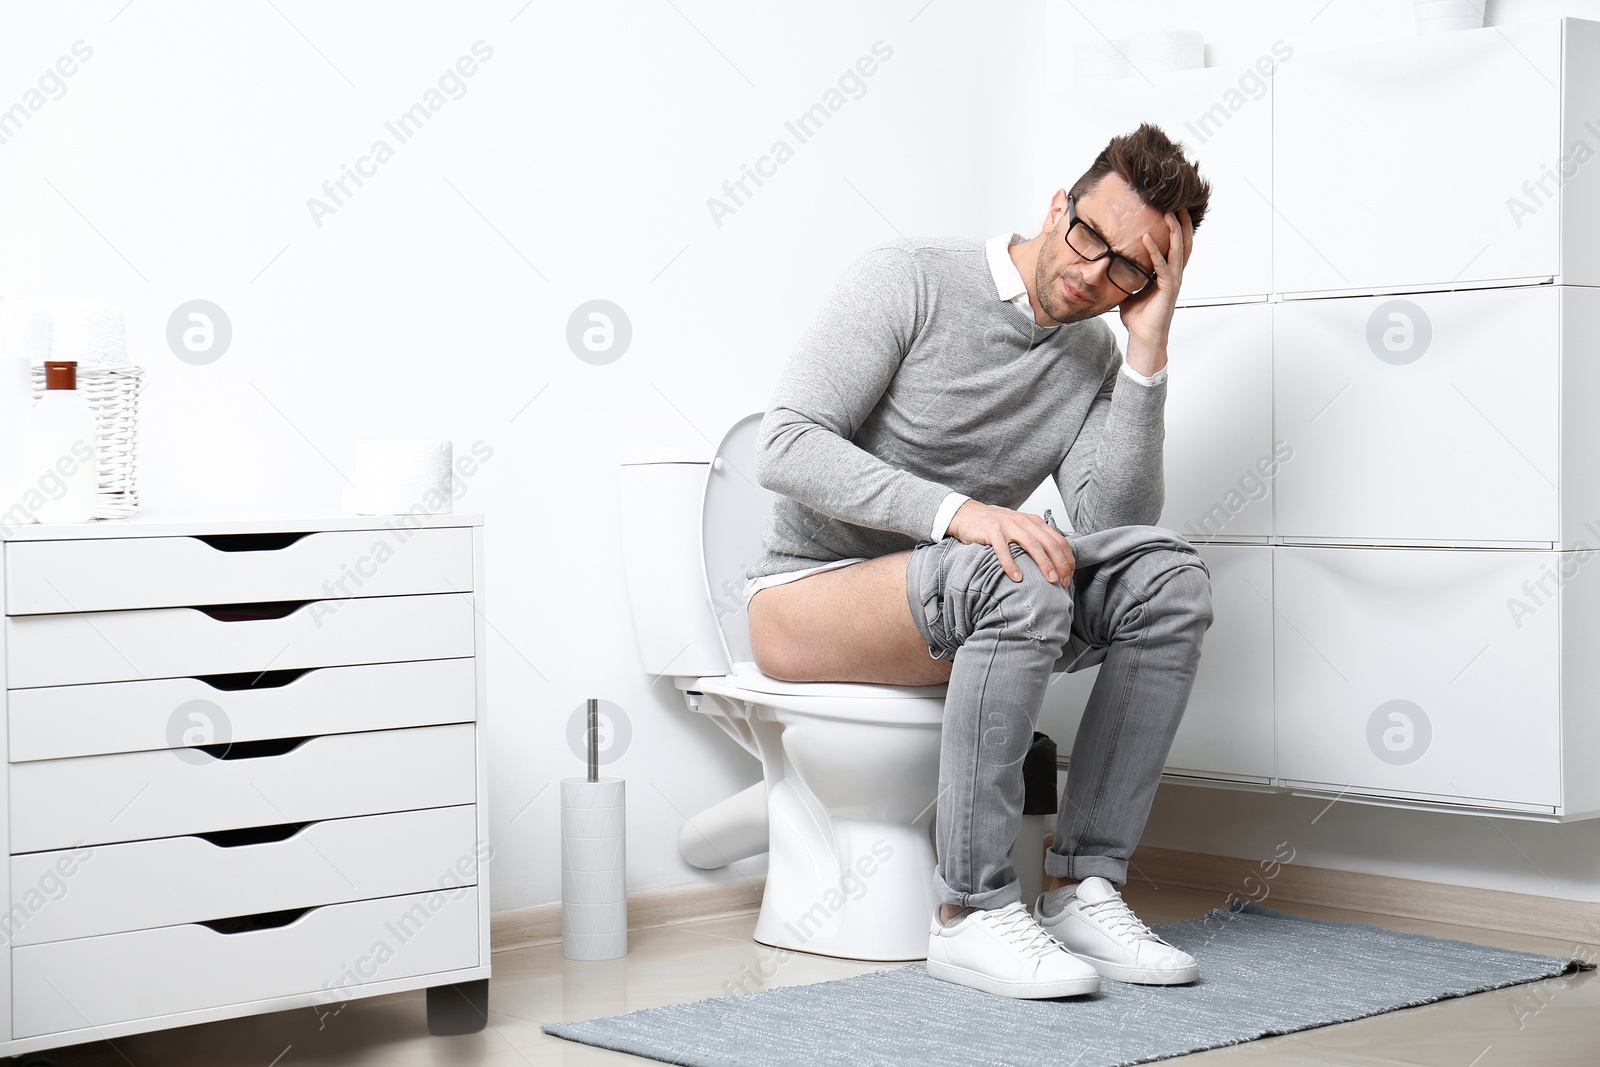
[{"x": 245, "y": 771}]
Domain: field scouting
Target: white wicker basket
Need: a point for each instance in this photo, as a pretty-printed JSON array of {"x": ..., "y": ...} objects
[{"x": 112, "y": 390}]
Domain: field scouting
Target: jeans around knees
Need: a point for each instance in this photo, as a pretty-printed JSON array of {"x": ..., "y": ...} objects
[{"x": 1138, "y": 603}]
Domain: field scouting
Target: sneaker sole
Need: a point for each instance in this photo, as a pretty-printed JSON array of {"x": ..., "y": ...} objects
[
  {"x": 1066, "y": 987},
  {"x": 1122, "y": 972}
]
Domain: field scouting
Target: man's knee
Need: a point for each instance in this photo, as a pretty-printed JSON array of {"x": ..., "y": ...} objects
[
  {"x": 1035, "y": 600},
  {"x": 1182, "y": 584}
]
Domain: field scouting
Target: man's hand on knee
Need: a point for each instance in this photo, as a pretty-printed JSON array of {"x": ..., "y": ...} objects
[{"x": 1000, "y": 528}]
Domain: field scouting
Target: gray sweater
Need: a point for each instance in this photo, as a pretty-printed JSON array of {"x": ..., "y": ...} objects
[{"x": 917, "y": 379}]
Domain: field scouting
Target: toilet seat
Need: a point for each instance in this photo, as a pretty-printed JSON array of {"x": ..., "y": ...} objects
[
  {"x": 749, "y": 676},
  {"x": 907, "y": 705}
]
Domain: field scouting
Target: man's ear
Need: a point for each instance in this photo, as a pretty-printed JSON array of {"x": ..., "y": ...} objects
[{"x": 1056, "y": 212}]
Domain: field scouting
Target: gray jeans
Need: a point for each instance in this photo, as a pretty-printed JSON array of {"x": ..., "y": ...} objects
[{"x": 1139, "y": 604}]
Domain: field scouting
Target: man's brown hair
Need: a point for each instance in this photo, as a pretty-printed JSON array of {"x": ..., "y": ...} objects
[{"x": 1155, "y": 167}]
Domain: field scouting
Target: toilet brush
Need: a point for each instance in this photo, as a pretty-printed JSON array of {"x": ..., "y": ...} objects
[{"x": 594, "y": 901}]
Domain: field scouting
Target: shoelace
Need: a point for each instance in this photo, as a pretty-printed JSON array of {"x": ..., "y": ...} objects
[
  {"x": 1115, "y": 914},
  {"x": 1017, "y": 927}
]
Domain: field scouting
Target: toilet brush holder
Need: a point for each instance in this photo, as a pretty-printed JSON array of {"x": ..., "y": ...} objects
[{"x": 594, "y": 901}]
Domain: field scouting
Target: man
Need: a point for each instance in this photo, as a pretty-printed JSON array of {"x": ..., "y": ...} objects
[{"x": 940, "y": 385}]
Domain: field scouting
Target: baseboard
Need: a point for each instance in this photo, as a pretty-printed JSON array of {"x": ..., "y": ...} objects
[
  {"x": 1573, "y": 921},
  {"x": 541, "y": 924}
]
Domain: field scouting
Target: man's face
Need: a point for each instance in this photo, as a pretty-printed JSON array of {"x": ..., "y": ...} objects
[{"x": 1114, "y": 211}]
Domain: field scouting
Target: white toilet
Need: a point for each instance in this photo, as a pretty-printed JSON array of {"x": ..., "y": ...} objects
[{"x": 850, "y": 770}]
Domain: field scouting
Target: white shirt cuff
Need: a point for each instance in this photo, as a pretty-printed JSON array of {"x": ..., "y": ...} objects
[
  {"x": 947, "y": 511},
  {"x": 1154, "y": 379}
]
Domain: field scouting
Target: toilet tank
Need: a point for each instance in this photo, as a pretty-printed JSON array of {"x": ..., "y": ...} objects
[{"x": 662, "y": 493}]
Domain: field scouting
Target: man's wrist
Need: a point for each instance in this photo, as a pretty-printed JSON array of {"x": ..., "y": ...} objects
[
  {"x": 946, "y": 514},
  {"x": 1144, "y": 358}
]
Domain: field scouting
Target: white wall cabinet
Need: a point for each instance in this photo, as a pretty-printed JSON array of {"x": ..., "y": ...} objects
[
  {"x": 1418, "y": 163},
  {"x": 1439, "y": 418},
  {"x": 1443, "y": 675},
  {"x": 252, "y": 752},
  {"x": 1408, "y": 613}
]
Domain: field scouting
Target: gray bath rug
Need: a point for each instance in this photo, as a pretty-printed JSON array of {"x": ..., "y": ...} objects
[{"x": 1261, "y": 972}]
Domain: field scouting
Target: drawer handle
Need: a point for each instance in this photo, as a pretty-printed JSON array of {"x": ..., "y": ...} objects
[
  {"x": 251, "y": 542},
  {"x": 269, "y": 609},
  {"x": 272, "y": 746},
  {"x": 253, "y": 679},
  {"x": 253, "y": 835},
  {"x": 266, "y": 920}
]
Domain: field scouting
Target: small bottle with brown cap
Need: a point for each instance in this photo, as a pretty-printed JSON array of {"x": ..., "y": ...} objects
[{"x": 60, "y": 471}]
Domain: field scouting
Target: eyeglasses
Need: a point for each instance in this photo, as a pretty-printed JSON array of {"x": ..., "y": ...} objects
[{"x": 1124, "y": 273}]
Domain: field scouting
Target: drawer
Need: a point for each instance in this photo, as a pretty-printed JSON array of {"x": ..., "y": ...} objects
[
  {"x": 1440, "y": 438},
  {"x": 105, "y": 574},
  {"x": 97, "y": 981},
  {"x": 85, "y": 720},
  {"x": 1402, "y": 672},
  {"x": 114, "y": 888},
  {"x": 93, "y": 800},
  {"x": 114, "y": 646}
]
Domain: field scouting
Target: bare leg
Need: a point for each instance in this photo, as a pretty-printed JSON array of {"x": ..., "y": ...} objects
[{"x": 850, "y": 624}]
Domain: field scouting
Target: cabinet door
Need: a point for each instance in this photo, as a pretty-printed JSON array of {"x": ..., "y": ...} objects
[
  {"x": 1223, "y": 118},
  {"x": 1403, "y": 672},
  {"x": 1227, "y": 728},
  {"x": 1394, "y": 161},
  {"x": 1431, "y": 417},
  {"x": 1219, "y": 459}
]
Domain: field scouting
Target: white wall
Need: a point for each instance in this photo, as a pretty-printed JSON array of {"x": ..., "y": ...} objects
[
  {"x": 1498, "y": 853},
  {"x": 434, "y": 303}
]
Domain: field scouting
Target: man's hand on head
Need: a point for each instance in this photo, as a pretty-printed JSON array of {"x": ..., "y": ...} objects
[
  {"x": 1148, "y": 316},
  {"x": 997, "y": 527}
]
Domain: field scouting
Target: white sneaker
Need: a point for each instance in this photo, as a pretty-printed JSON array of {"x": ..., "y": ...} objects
[
  {"x": 1003, "y": 951},
  {"x": 1096, "y": 925}
]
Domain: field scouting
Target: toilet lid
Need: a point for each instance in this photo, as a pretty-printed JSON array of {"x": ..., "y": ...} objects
[{"x": 732, "y": 520}]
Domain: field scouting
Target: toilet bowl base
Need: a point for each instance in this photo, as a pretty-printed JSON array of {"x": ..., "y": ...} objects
[{"x": 870, "y": 898}]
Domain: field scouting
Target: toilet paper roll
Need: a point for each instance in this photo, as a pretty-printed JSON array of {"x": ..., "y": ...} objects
[
  {"x": 594, "y": 899},
  {"x": 88, "y": 331},
  {"x": 1161, "y": 51},
  {"x": 25, "y": 329},
  {"x": 401, "y": 478},
  {"x": 1100, "y": 60}
]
